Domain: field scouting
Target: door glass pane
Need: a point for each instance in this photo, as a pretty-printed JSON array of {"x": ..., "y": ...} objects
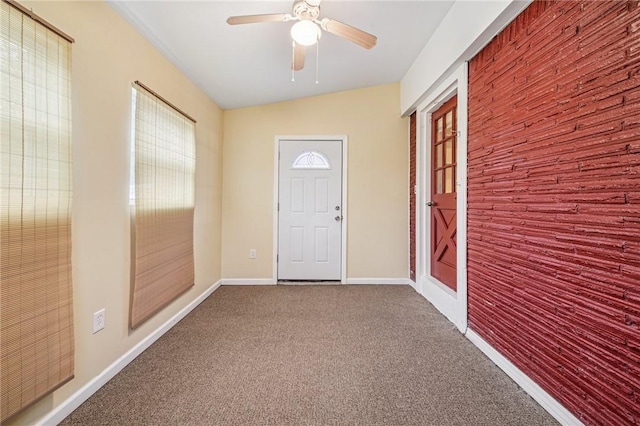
[
  {"x": 311, "y": 160},
  {"x": 448, "y": 150},
  {"x": 439, "y": 181},
  {"x": 448, "y": 180},
  {"x": 439, "y": 129},
  {"x": 439, "y": 155},
  {"x": 448, "y": 124}
]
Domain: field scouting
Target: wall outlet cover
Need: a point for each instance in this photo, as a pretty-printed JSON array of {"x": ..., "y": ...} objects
[{"x": 98, "y": 320}]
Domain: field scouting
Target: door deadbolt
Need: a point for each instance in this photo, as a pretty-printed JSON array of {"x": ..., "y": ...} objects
[{"x": 338, "y": 208}]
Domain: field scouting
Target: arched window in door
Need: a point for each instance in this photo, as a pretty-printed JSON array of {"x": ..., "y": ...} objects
[{"x": 311, "y": 160}]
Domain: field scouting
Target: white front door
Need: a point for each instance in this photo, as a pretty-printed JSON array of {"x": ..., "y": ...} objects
[{"x": 310, "y": 210}]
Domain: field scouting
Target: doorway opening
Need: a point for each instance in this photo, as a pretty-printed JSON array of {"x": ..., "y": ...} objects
[{"x": 441, "y": 205}]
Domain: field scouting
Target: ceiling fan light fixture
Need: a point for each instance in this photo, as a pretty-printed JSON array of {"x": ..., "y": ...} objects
[{"x": 305, "y": 33}]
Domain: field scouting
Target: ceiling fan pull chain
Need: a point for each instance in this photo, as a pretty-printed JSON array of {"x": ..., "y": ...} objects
[
  {"x": 317, "y": 58},
  {"x": 293, "y": 55}
]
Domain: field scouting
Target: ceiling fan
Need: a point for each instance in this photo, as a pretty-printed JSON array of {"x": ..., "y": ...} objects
[{"x": 307, "y": 31}]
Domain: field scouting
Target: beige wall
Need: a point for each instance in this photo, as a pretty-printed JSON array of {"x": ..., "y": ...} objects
[
  {"x": 107, "y": 57},
  {"x": 377, "y": 239}
]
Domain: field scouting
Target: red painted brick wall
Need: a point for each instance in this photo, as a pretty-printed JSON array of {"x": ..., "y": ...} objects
[
  {"x": 554, "y": 202},
  {"x": 412, "y": 197}
]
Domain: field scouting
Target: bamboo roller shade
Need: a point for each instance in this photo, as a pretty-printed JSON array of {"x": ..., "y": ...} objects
[
  {"x": 164, "y": 193},
  {"x": 36, "y": 315}
]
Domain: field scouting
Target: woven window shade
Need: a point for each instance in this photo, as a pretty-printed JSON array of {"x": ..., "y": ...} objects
[
  {"x": 36, "y": 316},
  {"x": 163, "y": 193}
]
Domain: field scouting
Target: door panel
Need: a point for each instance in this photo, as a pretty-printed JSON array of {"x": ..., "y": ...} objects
[
  {"x": 296, "y": 243},
  {"x": 322, "y": 195},
  {"x": 297, "y": 195},
  {"x": 310, "y": 210},
  {"x": 322, "y": 245},
  {"x": 443, "y": 193}
]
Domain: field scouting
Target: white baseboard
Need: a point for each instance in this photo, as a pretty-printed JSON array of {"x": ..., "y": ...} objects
[
  {"x": 414, "y": 285},
  {"x": 443, "y": 299},
  {"x": 60, "y": 412},
  {"x": 248, "y": 281},
  {"x": 380, "y": 281},
  {"x": 546, "y": 401},
  {"x": 271, "y": 281}
]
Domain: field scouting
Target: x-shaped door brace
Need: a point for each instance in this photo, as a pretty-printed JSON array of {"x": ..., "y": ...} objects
[{"x": 448, "y": 233}]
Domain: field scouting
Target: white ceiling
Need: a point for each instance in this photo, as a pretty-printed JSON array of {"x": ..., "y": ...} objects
[{"x": 247, "y": 65}]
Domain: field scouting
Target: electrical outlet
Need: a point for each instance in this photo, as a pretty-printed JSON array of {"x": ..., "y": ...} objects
[
  {"x": 252, "y": 254},
  {"x": 98, "y": 320}
]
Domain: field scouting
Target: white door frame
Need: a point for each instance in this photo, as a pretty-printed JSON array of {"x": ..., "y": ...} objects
[
  {"x": 276, "y": 196},
  {"x": 452, "y": 304}
]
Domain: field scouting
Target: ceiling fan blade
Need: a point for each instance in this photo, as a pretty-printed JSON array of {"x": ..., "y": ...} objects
[
  {"x": 350, "y": 33},
  {"x": 299, "y": 52},
  {"x": 250, "y": 19}
]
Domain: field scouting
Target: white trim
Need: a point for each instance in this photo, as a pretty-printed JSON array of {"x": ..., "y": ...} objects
[
  {"x": 412, "y": 191},
  {"x": 345, "y": 216},
  {"x": 546, "y": 401},
  {"x": 414, "y": 285},
  {"x": 60, "y": 412},
  {"x": 440, "y": 296},
  {"x": 452, "y": 304},
  {"x": 380, "y": 281},
  {"x": 354, "y": 281},
  {"x": 461, "y": 193},
  {"x": 345, "y": 161},
  {"x": 248, "y": 281},
  {"x": 276, "y": 200}
]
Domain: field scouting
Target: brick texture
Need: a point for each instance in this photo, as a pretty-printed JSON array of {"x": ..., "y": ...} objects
[
  {"x": 554, "y": 202},
  {"x": 412, "y": 197}
]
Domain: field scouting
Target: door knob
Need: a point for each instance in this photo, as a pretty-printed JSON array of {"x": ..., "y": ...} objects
[
  {"x": 430, "y": 203},
  {"x": 338, "y": 218}
]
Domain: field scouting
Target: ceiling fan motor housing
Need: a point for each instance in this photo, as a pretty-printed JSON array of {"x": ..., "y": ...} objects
[{"x": 307, "y": 10}]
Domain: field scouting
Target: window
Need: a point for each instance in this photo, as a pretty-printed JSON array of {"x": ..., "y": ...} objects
[
  {"x": 163, "y": 201},
  {"x": 444, "y": 153},
  {"x": 36, "y": 315},
  {"x": 311, "y": 160}
]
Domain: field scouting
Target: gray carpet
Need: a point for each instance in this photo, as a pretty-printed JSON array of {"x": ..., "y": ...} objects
[{"x": 311, "y": 355}]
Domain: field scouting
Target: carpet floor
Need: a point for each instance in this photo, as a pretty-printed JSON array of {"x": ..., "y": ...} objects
[{"x": 311, "y": 355}]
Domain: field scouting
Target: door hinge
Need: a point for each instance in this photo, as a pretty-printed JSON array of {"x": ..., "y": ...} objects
[
  {"x": 278, "y": 206},
  {"x": 277, "y": 258}
]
